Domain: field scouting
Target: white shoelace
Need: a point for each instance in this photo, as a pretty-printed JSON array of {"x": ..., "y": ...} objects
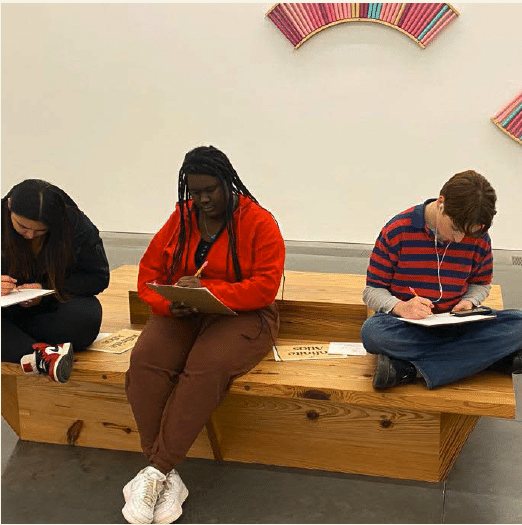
[
  {"x": 149, "y": 491},
  {"x": 166, "y": 487}
]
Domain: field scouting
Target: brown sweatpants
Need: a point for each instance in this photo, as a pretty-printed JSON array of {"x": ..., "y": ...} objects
[{"x": 180, "y": 369}]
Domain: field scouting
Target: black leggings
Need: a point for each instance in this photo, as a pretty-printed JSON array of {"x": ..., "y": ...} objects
[{"x": 76, "y": 321}]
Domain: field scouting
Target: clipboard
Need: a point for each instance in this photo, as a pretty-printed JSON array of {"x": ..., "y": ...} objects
[{"x": 201, "y": 298}]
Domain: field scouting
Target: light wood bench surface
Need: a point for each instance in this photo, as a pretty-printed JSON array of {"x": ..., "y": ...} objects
[{"x": 311, "y": 414}]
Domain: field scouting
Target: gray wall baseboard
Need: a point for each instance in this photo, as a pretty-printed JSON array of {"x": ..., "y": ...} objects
[{"x": 137, "y": 243}]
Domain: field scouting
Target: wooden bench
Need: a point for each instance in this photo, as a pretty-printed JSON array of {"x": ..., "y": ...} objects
[{"x": 309, "y": 414}]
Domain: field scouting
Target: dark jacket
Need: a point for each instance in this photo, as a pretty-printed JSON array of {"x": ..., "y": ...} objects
[{"x": 88, "y": 274}]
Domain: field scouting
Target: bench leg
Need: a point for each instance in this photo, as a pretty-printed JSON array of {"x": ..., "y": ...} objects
[
  {"x": 214, "y": 438},
  {"x": 10, "y": 410},
  {"x": 454, "y": 432}
]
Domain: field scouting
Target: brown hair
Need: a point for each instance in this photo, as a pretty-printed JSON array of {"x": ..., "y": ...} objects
[
  {"x": 38, "y": 200},
  {"x": 469, "y": 201}
]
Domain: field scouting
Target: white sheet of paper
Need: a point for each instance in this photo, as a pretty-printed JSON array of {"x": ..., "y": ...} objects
[
  {"x": 446, "y": 319},
  {"x": 346, "y": 348},
  {"x": 19, "y": 296}
]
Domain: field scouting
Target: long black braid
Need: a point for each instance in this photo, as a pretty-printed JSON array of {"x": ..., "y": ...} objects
[{"x": 208, "y": 160}]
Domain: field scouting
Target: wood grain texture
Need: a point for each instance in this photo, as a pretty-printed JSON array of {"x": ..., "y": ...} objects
[
  {"x": 10, "y": 409},
  {"x": 303, "y": 320},
  {"x": 487, "y": 393},
  {"x": 319, "y": 321},
  {"x": 350, "y": 380},
  {"x": 114, "y": 299},
  {"x": 341, "y": 288},
  {"x": 214, "y": 437},
  {"x": 325, "y": 435},
  {"x": 139, "y": 310},
  {"x": 455, "y": 430},
  {"x": 49, "y": 410},
  {"x": 494, "y": 300},
  {"x": 311, "y": 414}
]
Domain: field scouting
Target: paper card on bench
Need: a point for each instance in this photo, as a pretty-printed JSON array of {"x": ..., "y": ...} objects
[
  {"x": 19, "y": 296},
  {"x": 115, "y": 343},
  {"x": 303, "y": 351},
  {"x": 446, "y": 319},
  {"x": 201, "y": 298},
  {"x": 346, "y": 349}
]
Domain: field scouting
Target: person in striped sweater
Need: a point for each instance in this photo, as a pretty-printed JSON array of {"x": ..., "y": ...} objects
[{"x": 434, "y": 258}]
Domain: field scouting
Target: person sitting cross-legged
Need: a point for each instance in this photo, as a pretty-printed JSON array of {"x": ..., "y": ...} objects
[
  {"x": 432, "y": 258},
  {"x": 49, "y": 243}
]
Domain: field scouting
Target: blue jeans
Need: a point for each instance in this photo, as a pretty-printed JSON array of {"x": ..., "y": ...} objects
[{"x": 445, "y": 353}]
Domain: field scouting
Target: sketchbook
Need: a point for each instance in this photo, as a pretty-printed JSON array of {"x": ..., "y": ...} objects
[
  {"x": 447, "y": 319},
  {"x": 201, "y": 298},
  {"x": 19, "y": 296}
]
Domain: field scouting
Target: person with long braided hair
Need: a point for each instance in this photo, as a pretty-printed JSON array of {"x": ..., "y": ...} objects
[
  {"x": 48, "y": 242},
  {"x": 184, "y": 361}
]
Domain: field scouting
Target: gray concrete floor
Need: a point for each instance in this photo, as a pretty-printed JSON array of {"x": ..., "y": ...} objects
[{"x": 59, "y": 484}]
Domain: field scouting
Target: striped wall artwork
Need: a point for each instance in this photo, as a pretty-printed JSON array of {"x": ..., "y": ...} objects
[
  {"x": 509, "y": 119},
  {"x": 421, "y": 22}
]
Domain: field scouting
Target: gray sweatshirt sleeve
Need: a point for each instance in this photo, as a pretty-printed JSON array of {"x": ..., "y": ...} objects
[
  {"x": 381, "y": 300},
  {"x": 477, "y": 293}
]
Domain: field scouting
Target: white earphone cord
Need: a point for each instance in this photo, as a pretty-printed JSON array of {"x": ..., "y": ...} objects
[{"x": 439, "y": 262}]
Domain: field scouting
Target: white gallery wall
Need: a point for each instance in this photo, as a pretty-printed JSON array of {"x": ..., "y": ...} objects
[{"x": 334, "y": 138}]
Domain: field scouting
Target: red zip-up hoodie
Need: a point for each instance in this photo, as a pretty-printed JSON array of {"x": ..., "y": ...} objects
[{"x": 260, "y": 250}]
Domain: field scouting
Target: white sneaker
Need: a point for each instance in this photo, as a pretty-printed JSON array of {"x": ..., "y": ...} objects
[
  {"x": 141, "y": 494},
  {"x": 168, "y": 507}
]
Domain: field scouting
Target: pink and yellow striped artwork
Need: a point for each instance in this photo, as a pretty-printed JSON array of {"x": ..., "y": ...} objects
[
  {"x": 421, "y": 22},
  {"x": 509, "y": 119}
]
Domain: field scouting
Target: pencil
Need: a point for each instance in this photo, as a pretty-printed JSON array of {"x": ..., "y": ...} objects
[
  {"x": 413, "y": 291},
  {"x": 197, "y": 274}
]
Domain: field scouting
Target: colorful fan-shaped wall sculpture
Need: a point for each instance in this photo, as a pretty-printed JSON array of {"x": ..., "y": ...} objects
[
  {"x": 421, "y": 22},
  {"x": 509, "y": 119}
]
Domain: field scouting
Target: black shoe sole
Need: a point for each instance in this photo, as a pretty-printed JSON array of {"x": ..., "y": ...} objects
[
  {"x": 64, "y": 366},
  {"x": 381, "y": 376}
]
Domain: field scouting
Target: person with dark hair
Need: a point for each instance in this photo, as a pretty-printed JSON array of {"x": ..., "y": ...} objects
[
  {"x": 184, "y": 361},
  {"x": 433, "y": 258},
  {"x": 48, "y": 242}
]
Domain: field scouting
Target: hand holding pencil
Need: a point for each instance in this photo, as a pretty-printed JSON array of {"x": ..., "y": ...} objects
[
  {"x": 198, "y": 273},
  {"x": 189, "y": 281},
  {"x": 416, "y": 308},
  {"x": 192, "y": 281}
]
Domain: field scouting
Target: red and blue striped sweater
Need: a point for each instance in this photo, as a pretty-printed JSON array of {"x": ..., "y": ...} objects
[{"x": 404, "y": 256}]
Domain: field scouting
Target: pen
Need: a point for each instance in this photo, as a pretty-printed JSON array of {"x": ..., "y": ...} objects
[{"x": 197, "y": 274}]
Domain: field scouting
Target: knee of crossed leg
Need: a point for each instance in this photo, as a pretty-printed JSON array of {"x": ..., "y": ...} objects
[{"x": 368, "y": 336}]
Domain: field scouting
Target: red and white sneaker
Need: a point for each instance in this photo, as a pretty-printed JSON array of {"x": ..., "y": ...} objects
[{"x": 56, "y": 361}]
